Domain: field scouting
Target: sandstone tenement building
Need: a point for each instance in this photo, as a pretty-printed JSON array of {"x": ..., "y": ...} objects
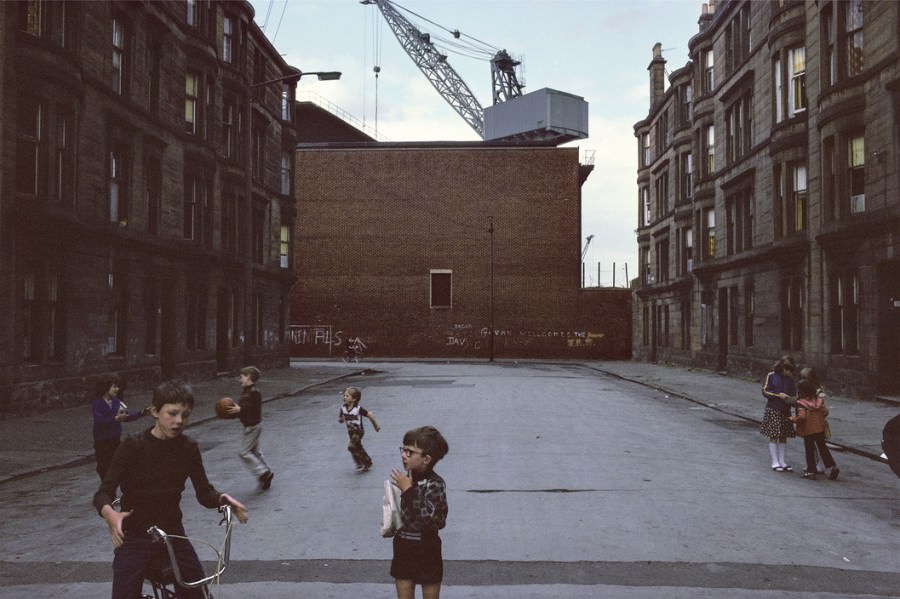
[
  {"x": 146, "y": 200},
  {"x": 769, "y": 194}
]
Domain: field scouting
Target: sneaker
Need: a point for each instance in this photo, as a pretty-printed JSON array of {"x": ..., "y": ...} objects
[
  {"x": 265, "y": 481},
  {"x": 809, "y": 475},
  {"x": 834, "y": 473}
]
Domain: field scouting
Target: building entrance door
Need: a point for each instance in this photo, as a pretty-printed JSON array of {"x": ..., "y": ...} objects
[
  {"x": 722, "y": 361},
  {"x": 888, "y": 327}
]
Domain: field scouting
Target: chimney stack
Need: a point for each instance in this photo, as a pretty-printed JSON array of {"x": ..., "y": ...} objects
[{"x": 657, "y": 70}]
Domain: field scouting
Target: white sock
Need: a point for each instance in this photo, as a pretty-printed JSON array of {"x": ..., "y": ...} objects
[
  {"x": 781, "y": 448},
  {"x": 774, "y": 453}
]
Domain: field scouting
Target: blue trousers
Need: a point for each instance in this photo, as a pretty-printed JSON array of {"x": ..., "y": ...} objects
[{"x": 138, "y": 550}]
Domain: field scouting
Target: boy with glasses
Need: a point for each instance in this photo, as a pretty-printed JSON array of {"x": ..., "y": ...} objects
[{"x": 423, "y": 509}]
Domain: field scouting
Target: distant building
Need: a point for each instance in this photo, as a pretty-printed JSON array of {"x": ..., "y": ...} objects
[
  {"x": 134, "y": 238},
  {"x": 447, "y": 249},
  {"x": 769, "y": 194}
]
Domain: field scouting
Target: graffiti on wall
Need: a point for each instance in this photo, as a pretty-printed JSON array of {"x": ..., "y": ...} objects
[{"x": 464, "y": 336}]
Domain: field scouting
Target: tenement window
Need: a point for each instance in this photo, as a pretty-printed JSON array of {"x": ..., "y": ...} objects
[{"x": 845, "y": 301}]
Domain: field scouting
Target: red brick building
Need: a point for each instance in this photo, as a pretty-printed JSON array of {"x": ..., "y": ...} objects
[{"x": 422, "y": 249}]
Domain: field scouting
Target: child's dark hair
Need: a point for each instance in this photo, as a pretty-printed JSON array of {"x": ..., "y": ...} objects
[
  {"x": 354, "y": 392},
  {"x": 252, "y": 372},
  {"x": 173, "y": 392},
  {"x": 806, "y": 388},
  {"x": 105, "y": 382},
  {"x": 429, "y": 440}
]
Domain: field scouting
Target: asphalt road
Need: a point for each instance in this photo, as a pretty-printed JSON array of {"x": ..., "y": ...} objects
[{"x": 563, "y": 482}]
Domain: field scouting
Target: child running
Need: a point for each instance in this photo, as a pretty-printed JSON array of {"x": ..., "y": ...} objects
[
  {"x": 352, "y": 414},
  {"x": 423, "y": 509}
]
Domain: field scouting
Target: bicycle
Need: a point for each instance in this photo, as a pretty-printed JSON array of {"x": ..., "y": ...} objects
[
  {"x": 354, "y": 350},
  {"x": 164, "y": 575}
]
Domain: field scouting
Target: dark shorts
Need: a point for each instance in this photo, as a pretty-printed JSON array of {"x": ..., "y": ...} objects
[{"x": 418, "y": 560}]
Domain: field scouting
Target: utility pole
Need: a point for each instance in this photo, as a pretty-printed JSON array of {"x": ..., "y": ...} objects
[{"x": 491, "y": 311}]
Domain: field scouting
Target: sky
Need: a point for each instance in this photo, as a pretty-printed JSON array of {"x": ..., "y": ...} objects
[{"x": 596, "y": 49}]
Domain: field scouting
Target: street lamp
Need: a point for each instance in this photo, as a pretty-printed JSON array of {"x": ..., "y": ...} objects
[
  {"x": 491, "y": 311},
  {"x": 247, "y": 210}
]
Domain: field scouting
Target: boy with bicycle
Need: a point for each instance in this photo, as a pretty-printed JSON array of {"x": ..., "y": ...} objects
[{"x": 151, "y": 469}]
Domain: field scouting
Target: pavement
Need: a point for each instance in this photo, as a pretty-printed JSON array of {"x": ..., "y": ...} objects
[{"x": 62, "y": 438}]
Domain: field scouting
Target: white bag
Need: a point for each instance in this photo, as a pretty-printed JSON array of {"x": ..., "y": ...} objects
[{"x": 390, "y": 510}]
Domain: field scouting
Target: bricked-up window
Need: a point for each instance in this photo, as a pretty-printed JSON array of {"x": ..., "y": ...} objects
[
  {"x": 441, "y": 288},
  {"x": 152, "y": 310},
  {"x": 749, "y": 313},
  {"x": 29, "y": 315},
  {"x": 845, "y": 301},
  {"x": 153, "y": 193},
  {"x": 154, "y": 62},
  {"x": 792, "y": 300},
  {"x": 685, "y": 325},
  {"x": 856, "y": 173},
  {"x": 258, "y": 333},
  {"x": 853, "y": 37},
  {"x": 119, "y": 57},
  {"x": 733, "y": 316},
  {"x": 229, "y": 222},
  {"x": 258, "y": 232},
  {"x": 30, "y": 141}
]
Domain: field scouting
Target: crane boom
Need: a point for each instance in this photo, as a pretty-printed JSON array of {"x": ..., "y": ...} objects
[{"x": 442, "y": 76}]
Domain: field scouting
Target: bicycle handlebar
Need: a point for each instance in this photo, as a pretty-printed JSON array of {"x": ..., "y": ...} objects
[{"x": 158, "y": 534}]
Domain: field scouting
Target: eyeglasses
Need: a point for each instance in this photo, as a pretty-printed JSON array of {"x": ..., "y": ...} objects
[{"x": 409, "y": 452}]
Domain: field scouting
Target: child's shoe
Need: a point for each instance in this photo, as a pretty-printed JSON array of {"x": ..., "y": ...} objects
[
  {"x": 809, "y": 475},
  {"x": 265, "y": 480},
  {"x": 834, "y": 473}
]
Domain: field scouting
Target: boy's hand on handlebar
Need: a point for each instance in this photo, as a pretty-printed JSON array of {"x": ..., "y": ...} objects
[{"x": 240, "y": 510}]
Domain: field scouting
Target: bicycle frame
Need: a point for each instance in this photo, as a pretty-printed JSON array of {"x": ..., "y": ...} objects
[{"x": 159, "y": 535}]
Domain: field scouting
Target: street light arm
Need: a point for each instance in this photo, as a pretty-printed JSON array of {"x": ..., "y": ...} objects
[{"x": 322, "y": 76}]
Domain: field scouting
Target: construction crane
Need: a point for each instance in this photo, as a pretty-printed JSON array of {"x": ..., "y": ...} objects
[
  {"x": 587, "y": 242},
  {"x": 443, "y": 77}
]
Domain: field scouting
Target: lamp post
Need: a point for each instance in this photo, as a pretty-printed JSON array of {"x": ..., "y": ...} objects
[
  {"x": 491, "y": 310},
  {"x": 246, "y": 213}
]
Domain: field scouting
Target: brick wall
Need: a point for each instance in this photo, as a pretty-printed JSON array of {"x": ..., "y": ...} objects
[{"x": 374, "y": 221}]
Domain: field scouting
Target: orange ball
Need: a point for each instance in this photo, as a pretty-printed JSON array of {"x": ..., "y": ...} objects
[{"x": 222, "y": 408}]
